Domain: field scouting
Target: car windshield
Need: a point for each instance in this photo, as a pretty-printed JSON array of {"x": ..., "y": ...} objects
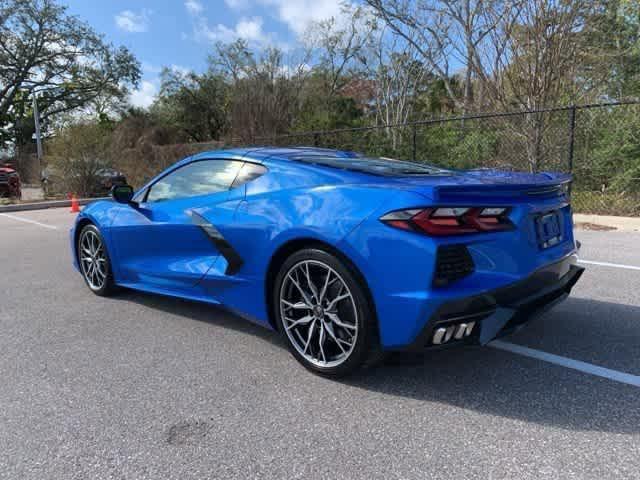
[{"x": 376, "y": 166}]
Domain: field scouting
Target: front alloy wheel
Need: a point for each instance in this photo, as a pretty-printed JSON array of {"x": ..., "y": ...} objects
[
  {"x": 323, "y": 313},
  {"x": 94, "y": 261}
]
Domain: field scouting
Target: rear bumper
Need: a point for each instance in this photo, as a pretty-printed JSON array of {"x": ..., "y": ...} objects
[{"x": 504, "y": 309}]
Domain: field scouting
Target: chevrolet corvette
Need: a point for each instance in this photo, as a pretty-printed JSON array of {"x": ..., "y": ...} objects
[{"x": 347, "y": 256}]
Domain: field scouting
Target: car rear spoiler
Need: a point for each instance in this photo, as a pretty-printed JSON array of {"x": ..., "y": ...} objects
[{"x": 520, "y": 191}]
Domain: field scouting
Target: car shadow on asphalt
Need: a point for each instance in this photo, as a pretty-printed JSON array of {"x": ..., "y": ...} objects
[
  {"x": 495, "y": 382},
  {"x": 503, "y": 384},
  {"x": 201, "y": 312}
]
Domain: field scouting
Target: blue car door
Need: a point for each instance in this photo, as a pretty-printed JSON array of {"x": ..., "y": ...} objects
[{"x": 162, "y": 243}]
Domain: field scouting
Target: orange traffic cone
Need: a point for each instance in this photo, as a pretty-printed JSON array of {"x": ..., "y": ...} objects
[{"x": 75, "y": 208}]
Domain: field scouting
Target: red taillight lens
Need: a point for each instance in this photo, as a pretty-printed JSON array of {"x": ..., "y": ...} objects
[{"x": 440, "y": 221}]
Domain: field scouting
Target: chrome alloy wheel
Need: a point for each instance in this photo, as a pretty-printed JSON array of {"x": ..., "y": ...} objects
[
  {"x": 93, "y": 259},
  {"x": 318, "y": 313}
]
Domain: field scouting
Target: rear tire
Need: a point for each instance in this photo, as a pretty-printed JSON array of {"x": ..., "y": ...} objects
[
  {"x": 94, "y": 262},
  {"x": 324, "y": 315}
]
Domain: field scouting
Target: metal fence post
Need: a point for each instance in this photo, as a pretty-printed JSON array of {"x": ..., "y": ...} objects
[
  {"x": 414, "y": 152},
  {"x": 572, "y": 136}
]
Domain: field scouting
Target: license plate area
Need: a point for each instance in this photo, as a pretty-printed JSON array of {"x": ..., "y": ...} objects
[{"x": 549, "y": 229}]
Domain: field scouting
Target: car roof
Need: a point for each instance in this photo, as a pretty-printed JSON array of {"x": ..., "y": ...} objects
[
  {"x": 344, "y": 160},
  {"x": 294, "y": 153},
  {"x": 280, "y": 153}
]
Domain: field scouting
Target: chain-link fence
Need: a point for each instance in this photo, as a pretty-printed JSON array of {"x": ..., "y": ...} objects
[{"x": 599, "y": 144}]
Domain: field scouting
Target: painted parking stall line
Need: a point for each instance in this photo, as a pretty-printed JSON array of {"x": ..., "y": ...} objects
[
  {"x": 584, "y": 367},
  {"x": 27, "y": 220},
  {"x": 607, "y": 264}
]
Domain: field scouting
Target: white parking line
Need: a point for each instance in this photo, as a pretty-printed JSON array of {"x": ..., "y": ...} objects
[
  {"x": 607, "y": 264},
  {"x": 568, "y": 363},
  {"x": 26, "y": 220}
]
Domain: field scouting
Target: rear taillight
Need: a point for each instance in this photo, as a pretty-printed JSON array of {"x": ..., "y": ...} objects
[{"x": 440, "y": 221}]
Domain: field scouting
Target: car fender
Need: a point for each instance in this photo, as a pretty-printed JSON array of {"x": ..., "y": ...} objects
[{"x": 100, "y": 213}]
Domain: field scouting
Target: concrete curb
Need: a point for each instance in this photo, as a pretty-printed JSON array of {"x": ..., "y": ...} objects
[
  {"x": 621, "y": 224},
  {"x": 23, "y": 207}
]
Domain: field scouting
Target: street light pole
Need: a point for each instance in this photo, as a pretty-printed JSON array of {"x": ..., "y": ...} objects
[{"x": 36, "y": 119}]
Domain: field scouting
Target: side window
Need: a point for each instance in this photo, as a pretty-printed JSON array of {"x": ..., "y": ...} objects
[
  {"x": 248, "y": 172},
  {"x": 198, "y": 178}
]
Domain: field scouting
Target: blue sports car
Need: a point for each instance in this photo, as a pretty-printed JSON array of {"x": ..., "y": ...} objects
[{"x": 348, "y": 257}]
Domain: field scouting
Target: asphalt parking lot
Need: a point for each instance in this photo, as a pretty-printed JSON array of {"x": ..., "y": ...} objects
[{"x": 139, "y": 386}]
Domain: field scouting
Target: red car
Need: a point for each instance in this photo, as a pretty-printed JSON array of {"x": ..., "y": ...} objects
[{"x": 10, "y": 185}]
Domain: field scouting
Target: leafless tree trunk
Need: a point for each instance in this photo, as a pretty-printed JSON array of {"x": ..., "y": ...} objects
[
  {"x": 536, "y": 54},
  {"x": 448, "y": 35},
  {"x": 341, "y": 44},
  {"x": 397, "y": 72}
]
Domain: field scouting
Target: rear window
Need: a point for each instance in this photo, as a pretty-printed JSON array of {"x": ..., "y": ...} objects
[{"x": 376, "y": 166}]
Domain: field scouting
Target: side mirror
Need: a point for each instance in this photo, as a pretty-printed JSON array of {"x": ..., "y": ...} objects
[{"x": 122, "y": 193}]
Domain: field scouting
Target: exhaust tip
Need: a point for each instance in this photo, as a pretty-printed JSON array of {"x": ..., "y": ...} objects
[
  {"x": 457, "y": 332},
  {"x": 460, "y": 331},
  {"x": 469, "y": 328},
  {"x": 438, "y": 336},
  {"x": 449, "y": 333}
]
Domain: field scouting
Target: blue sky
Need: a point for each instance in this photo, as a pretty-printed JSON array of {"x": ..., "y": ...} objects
[{"x": 181, "y": 33}]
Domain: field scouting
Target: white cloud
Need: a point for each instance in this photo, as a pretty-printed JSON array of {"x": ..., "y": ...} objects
[
  {"x": 132, "y": 22},
  {"x": 144, "y": 96},
  {"x": 299, "y": 14},
  {"x": 194, "y": 7},
  {"x": 249, "y": 29},
  {"x": 218, "y": 33}
]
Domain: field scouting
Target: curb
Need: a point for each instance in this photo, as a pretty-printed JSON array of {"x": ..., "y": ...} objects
[
  {"x": 621, "y": 224},
  {"x": 23, "y": 207}
]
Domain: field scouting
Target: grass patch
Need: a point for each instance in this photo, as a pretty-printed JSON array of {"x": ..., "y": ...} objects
[{"x": 599, "y": 203}]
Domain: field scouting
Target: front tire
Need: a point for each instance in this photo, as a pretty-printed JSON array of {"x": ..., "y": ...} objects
[
  {"x": 324, "y": 314},
  {"x": 94, "y": 262}
]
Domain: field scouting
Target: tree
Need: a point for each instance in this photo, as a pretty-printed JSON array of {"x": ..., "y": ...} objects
[
  {"x": 264, "y": 90},
  {"x": 319, "y": 111},
  {"x": 537, "y": 56},
  {"x": 515, "y": 54},
  {"x": 340, "y": 44},
  {"x": 43, "y": 48},
  {"x": 611, "y": 64},
  {"x": 197, "y": 105},
  {"x": 447, "y": 34},
  {"x": 398, "y": 75},
  {"x": 77, "y": 153}
]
